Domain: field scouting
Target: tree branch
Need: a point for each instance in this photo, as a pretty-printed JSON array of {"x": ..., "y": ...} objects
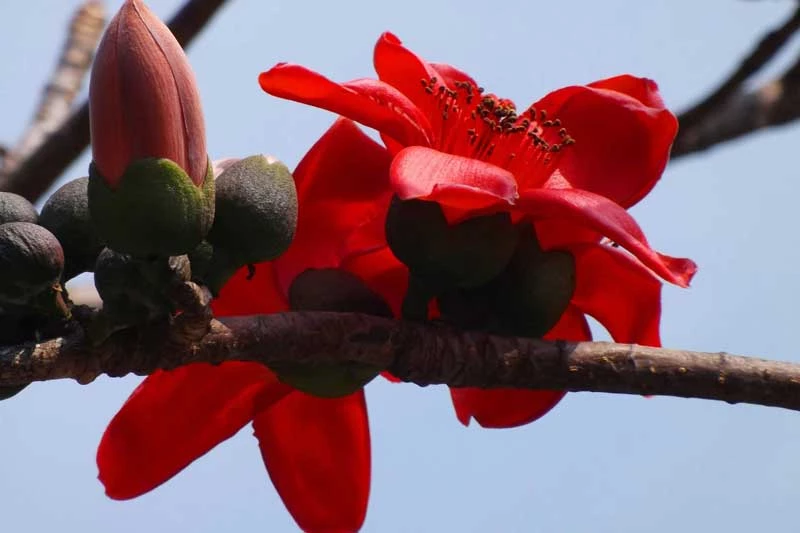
[
  {"x": 765, "y": 50},
  {"x": 85, "y": 29},
  {"x": 730, "y": 112},
  {"x": 773, "y": 104},
  {"x": 36, "y": 173},
  {"x": 421, "y": 353}
]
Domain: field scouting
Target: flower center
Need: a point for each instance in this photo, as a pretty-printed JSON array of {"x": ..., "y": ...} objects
[{"x": 472, "y": 124}]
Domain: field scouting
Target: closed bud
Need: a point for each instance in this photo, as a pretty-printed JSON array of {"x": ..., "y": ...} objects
[
  {"x": 143, "y": 98},
  {"x": 151, "y": 188}
]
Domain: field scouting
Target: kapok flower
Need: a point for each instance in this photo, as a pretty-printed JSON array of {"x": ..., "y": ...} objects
[
  {"x": 571, "y": 163},
  {"x": 148, "y": 139},
  {"x": 316, "y": 450}
]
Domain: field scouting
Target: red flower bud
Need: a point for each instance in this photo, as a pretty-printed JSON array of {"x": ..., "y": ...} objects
[{"x": 143, "y": 99}]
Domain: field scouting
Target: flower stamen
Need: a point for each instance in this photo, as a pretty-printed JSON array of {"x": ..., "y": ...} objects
[{"x": 482, "y": 126}]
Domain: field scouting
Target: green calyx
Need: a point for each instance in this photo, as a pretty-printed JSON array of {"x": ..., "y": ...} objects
[
  {"x": 15, "y": 208},
  {"x": 331, "y": 289},
  {"x": 467, "y": 254},
  {"x": 527, "y": 299},
  {"x": 66, "y": 215},
  {"x": 31, "y": 262},
  {"x": 256, "y": 210},
  {"x": 255, "y": 220},
  {"x": 155, "y": 211}
]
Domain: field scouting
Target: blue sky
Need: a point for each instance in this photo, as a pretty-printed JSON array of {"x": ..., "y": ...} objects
[{"x": 600, "y": 463}]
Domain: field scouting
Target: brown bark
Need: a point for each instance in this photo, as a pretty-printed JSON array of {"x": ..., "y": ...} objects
[{"x": 421, "y": 353}]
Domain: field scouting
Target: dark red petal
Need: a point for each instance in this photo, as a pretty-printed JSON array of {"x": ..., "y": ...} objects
[
  {"x": 371, "y": 102},
  {"x": 623, "y": 139},
  {"x": 506, "y": 408},
  {"x": 317, "y": 452},
  {"x": 245, "y": 295},
  {"x": 173, "y": 418},
  {"x": 619, "y": 292},
  {"x": 453, "y": 181},
  {"x": 609, "y": 219},
  {"x": 344, "y": 194}
]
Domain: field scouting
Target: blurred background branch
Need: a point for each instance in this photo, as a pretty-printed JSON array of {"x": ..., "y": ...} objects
[
  {"x": 84, "y": 32},
  {"x": 731, "y": 111}
]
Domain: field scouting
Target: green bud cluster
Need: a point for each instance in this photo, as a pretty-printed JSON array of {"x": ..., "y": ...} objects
[{"x": 153, "y": 230}]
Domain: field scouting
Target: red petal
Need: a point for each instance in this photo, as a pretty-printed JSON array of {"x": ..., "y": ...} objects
[
  {"x": 601, "y": 214},
  {"x": 403, "y": 69},
  {"x": 344, "y": 194},
  {"x": 453, "y": 181},
  {"x": 506, "y": 408},
  {"x": 317, "y": 452},
  {"x": 371, "y": 102},
  {"x": 243, "y": 295},
  {"x": 642, "y": 89},
  {"x": 619, "y": 292},
  {"x": 623, "y": 137},
  {"x": 451, "y": 75},
  {"x": 173, "y": 418}
]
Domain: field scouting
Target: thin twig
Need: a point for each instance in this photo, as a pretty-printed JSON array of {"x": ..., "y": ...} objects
[
  {"x": 84, "y": 32},
  {"x": 35, "y": 174},
  {"x": 421, "y": 353},
  {"x": 765, "y": 50}
]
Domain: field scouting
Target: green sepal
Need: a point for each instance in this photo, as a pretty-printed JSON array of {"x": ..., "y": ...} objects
[
  {"x": 527, "y": 299},
  {"x": 466, "y": 254},
  {"x": 31, "y": 263},
  {"x": 66, "y": 215},
  {"x": 155, "y": 210},
  {"x": 330, "y": 289},
  {"x": 15, "y": 208},
  {"x": 256, "y": 210}
]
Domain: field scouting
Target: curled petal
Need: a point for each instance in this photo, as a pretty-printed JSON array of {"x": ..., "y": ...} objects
[
  {"x": 317, "y": 453},
  {"x": 175, "y": 417},
  {"x": 506, "y": 408},
  {"x": 454, "y": 181},
  {"x": 642, "y": 89},
  {"x": 619, "y": 292},
  {"x": 609, "y": 219},
  {"x": 623, "y": 137},
  {"x": 403, "y": 69},
  {"x": 371, "y": 102}
]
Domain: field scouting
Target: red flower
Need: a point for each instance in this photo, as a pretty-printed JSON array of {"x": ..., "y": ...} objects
[
  {"x": 573, "y": 162},
  {"x": 317, "y": 451}
]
